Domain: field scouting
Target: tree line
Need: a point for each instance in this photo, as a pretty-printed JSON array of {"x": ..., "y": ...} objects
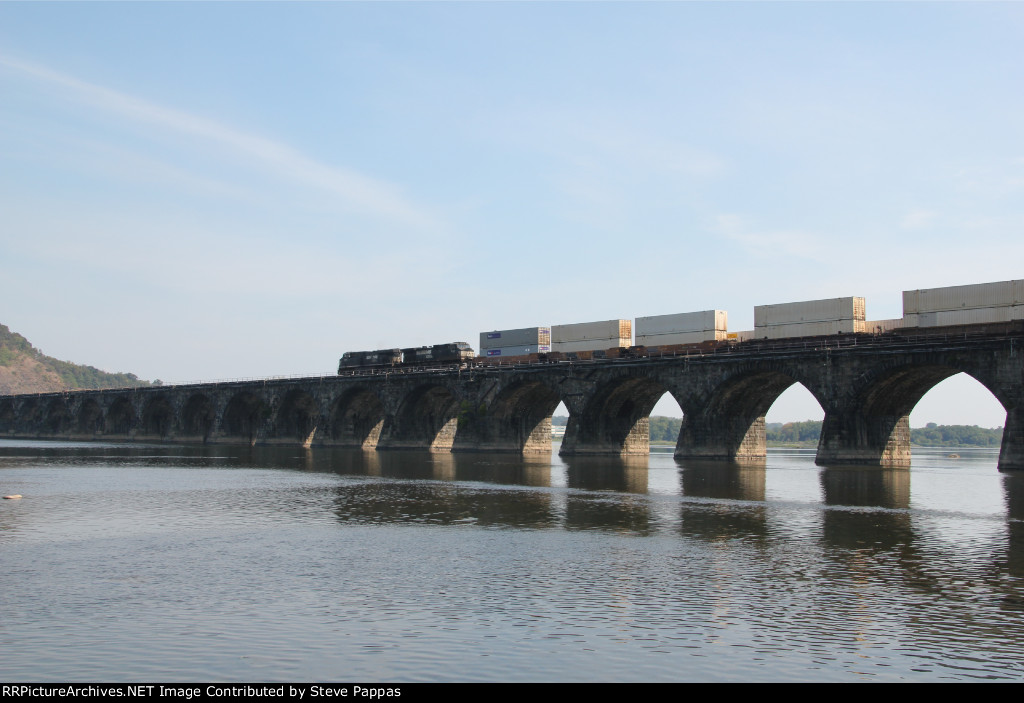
[{"x": 806, "y": 433}]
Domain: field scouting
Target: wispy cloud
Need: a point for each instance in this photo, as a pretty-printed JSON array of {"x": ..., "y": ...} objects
[
  {"x": 358, "y": 192},
  {"x": 770, "y": 243}
]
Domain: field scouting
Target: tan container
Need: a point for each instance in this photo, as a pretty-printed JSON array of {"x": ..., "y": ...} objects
[
  {"x": 978, "y": 295},
  {"x": 976, "y": 316},
  {"x": 810, "y": 329},
  {"x": 587, "y": 331},
  {"x": 827, "y": 310},
  {"x": 591, "y": 345},
  {"x": 682, "y": 322},
  {"x": 681, "y": 338}
]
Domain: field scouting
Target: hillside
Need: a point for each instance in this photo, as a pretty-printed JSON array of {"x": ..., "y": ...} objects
[{"x": 25, "y": 369}]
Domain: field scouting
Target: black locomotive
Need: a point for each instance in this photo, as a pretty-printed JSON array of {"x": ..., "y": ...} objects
[{"x": 450, "y": 353}]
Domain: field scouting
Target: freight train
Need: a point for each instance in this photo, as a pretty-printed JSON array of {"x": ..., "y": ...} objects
[
  {"x": 956, "y": 309},
  {"x": 450, "y": 353}
]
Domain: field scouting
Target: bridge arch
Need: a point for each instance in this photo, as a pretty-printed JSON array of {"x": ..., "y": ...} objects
[
  {"x": 158, "y": 417},
  {"x": 89, "y": 418},
  {"x": 873, "y": 425},
  {"x": 198, "y": 418},
  {"x": 427, "y": 418},
  {"x": 727, "y": 422},
  {"x": 616, "y": 418},
  {"x": 121, "y": 417},
  {"x": 30, "y": 416},
  {"x": 58, "y": 416},
  {"x": 297, "y": 418},
  {"x": 8, "y": 416},
  {"x": 518, "y": 418},
  {"x": 357, "y": 419},
  {"x": 244, "y": 416}
]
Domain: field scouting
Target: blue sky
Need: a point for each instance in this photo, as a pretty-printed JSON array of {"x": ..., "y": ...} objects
[{"x": 215, "y": 190}]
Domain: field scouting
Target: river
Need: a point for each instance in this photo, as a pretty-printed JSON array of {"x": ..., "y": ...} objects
[{"x": 175, "y": 563}]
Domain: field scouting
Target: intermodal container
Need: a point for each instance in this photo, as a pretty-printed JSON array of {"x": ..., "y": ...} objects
[
  {"x": 828, "y": 310},
  {"x": 979, "y": 295},
  {"x": 682, "y": 322},
  {"x": 648, "y": 340},
  {"x": 526, "y": 336},
  {"x": 586, "y": 331},
  {"x": 809, "y": 329},
  {"x": 516, "y": 350},
  {"x": 969, "y": 316},
  {"x": 592, "y": 344}
]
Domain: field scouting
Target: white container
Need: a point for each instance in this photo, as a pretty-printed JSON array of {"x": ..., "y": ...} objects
[
  {"x": 682, "y": 322},
  {"x": 809, "y": 329},
  {"x": 978, "y": 295},
  {"x": 976, "y": 316},
  {"x": 657, "y": 340},
  {"x": 585, "y": 331},
  {"x": 827, "y": 310},
  {"x": 518, "y": 350},
  {"x": 514, "y": 338},
  {"x": 591, "y": 345}
]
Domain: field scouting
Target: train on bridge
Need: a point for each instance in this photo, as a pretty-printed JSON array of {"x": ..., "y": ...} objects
[
  {"x": 445, "y": 354},
  {"x": 956, "y": 308}
]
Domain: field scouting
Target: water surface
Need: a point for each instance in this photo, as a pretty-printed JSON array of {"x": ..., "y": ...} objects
[{"x": 172, "y": 563}]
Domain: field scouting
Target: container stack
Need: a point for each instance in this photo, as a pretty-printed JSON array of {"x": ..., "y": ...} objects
[
  {"x": 810, "y": 318},
  {"x": 590, "y": 336},
  {"x": 682, "y": 328},
  {"x": 529, "y": 340},
  {"x": 976, "y": 304}
]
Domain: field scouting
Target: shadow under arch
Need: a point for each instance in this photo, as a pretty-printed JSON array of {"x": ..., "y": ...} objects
[
  {"x": 517, "y": 420},
  {"x": 873, "y": 428},
  {"x": 121, "y": 418},
  {"x": 616, "y": 419},
  {"x": 730, "y": 424},
  {"x": 244, "y": 416},
  {"x": 29, "y": 416},
  {"x": 427, "y": 418},
  {"x": 7, "y": 415},
  {"x": 297, "y": 418},
  {"x": 198, "y": 417},
  {"x": 357, "y": 419},
  {"x": 158, "y": 417},
  {"x": 90, "y": 417},
  {"x": 58, "y": 416}
]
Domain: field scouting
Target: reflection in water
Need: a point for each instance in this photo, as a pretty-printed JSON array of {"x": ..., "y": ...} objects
[
  {"x": 870, "y": 486},
  {"x": 263, "y": 563},
  {"x": 720, "y": 479},
  {"x": 1013, "y": 486},
  {"x": 627, "y": 474}
]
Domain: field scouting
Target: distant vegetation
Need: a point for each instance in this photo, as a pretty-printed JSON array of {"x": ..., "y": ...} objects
[
  {"x": 25, "y": 369},
  {"x": 806, "y": 433},
  {"x": 665, "y": 429}
]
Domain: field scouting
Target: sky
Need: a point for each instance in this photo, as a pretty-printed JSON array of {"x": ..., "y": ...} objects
[{"x": 201, "y": 191}]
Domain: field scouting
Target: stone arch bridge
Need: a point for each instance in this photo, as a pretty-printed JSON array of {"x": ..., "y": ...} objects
[{"x": 867, "y": 386}]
